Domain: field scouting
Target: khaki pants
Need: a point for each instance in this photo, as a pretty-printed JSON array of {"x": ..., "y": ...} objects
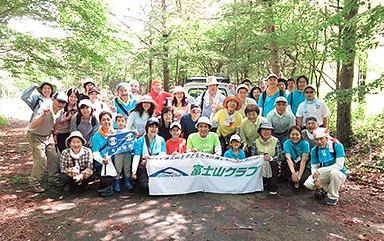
[
  {"x": 44, "y": 158},
  {"x": 331, "y": 181}
]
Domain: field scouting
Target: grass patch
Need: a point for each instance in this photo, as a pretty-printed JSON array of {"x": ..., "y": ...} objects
[
  {"x": 3, "y": 120},
  {"x": 18, "y": 180}
]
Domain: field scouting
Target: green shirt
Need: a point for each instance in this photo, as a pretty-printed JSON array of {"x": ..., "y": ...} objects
[
  {"x": 248, "y": 130},
  {"x": 206, "y": 145}
]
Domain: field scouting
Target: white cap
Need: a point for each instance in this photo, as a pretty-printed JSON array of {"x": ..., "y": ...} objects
[
  {"x": 320, "y": 132},
  {"x": 204, "y": 120},
  {"x": 235, "y": 137},
  {"x": 272, "y": 75},
  {"x": 281, "y": 99},
  {"x": 86, "y": 102},
  {"x": 242, "y": 86},
  {"x": 173, "y": 124}
]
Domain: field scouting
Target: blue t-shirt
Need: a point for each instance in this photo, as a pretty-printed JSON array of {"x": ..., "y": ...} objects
[
  {"x": 301, "y": 147},
  {"x": 230, "y": 154},
  {"x": 269, "y": 103},
  {"x": 294, "y": 100},
  {"x": 326, "y": 158}
]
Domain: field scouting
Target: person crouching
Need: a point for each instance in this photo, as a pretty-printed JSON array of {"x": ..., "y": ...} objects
[{"x": 76, "y": 162}]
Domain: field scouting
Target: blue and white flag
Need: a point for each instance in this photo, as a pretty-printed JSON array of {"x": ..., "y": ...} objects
[{"x": 121, "y": 143}]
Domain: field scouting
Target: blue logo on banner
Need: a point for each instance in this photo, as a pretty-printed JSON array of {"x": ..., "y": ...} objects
[
  {"x": 121, "y": 143},
  {"x": 169, "y": 172}
]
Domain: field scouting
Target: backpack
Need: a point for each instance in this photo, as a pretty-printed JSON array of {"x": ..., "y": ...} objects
[
  {"x": 264, "y": 96},
  {"x": 202, "y": 100},
  {"x": 334, "y": 141},
  {"x": 93, "y": 120}
]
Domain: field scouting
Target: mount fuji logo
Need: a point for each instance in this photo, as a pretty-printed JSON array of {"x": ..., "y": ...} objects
[{"x": 169, "y": 172}]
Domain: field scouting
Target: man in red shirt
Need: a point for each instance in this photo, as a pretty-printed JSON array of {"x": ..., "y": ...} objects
[{"x": 159, "y": 96}]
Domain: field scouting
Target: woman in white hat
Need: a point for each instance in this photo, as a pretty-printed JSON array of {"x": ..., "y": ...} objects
[
  {"x": 76, "y": 162},
  {"x": 144, "y": 109},
  {"x": 180, "y": 103}
]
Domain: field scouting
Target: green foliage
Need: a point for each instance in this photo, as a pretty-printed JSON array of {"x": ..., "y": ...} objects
[
  {"x": 3, "y": 120},
  {"x": 18, "y": 180}
]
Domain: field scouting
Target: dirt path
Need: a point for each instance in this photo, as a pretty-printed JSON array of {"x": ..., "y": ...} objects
[{"x": 55, "y": 215}]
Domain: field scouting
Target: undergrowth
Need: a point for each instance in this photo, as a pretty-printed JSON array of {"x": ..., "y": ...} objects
[{"x": 3, "y": 120}]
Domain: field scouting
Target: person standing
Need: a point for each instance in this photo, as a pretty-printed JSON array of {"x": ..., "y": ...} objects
[
  {"x": 159, "y": 96},
  {"x": 296, "y": 97},
  {"x": 211, "y": 100},
  {"x": 40, "y": 137},
  {"x": 242, "y": 93},
  {"x": 312, "y": 107},
  {"x": 268, "y": 97}
]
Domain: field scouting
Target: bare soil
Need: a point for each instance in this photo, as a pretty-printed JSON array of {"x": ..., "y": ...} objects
[{"x": 56, "y": 215}]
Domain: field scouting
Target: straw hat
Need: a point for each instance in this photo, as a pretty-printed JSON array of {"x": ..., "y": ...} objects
[
  {"x": 229, "y": 98},
  {"x": 146, "y": 98}
]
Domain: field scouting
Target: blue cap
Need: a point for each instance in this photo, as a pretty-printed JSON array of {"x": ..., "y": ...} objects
[{"x": 122, "y": 84}]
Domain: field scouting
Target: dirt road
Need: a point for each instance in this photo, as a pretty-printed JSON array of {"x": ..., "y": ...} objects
[{"x": 55, "y": 215}]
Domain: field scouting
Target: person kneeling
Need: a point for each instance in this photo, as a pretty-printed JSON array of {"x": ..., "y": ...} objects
[
  {"x": 327, "y": 166},
  {"x": 150, "y": 144},
  {"x": 76, "y": 162}
]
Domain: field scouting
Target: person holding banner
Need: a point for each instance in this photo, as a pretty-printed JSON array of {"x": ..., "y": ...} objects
[
  {"x": 122, "y": 160},
  {"x": 204, "y": 140},
  {"x": 139, "y": 116},
  {"x": 269, "y": 146},
  {"x": 176, "y": 145},
  {"x": 76, "y": 163},
  {"x": 103, "y": 162},
  {"x": 150, "y": 144},
  {"x": 235, "y": 152}
]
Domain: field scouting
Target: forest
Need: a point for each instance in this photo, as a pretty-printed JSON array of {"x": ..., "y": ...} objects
[{"x": 109, "y": 41}]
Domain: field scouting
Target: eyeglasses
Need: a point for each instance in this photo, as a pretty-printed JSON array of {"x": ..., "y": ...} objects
[{"x": 309, "y": 92}]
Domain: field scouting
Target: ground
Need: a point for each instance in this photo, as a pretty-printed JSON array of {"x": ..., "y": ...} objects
[{"x": 56, "y": 215}]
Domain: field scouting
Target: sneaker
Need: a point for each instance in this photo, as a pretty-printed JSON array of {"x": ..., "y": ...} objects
[
  {"x": 273, "y": 192},
  {"x": 296, "y": 185},
  {"x": 37, "y": 189},
  {"x": 332, "y": 201}
]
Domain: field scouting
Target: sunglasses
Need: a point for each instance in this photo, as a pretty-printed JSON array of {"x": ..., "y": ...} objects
[{"x": 309, "y": 92}]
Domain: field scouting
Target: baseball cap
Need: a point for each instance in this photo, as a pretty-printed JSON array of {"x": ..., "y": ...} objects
[
  {"x": 61, "y": 96},
  {"x": 173, "y": 124},
  {"x": 235, "y": 137},
  {"x": 281, "y": 99}
]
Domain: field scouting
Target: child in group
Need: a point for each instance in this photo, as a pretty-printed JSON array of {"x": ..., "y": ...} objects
[
  {"x": 175, "y": 145},
  {"x": 235, "y": 152},
  {"x": 122, "y": 160},
  {"x": 76, "y": 163}
]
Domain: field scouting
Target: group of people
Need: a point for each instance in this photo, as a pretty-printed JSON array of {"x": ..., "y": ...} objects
[{"x": 68, "y": 133}]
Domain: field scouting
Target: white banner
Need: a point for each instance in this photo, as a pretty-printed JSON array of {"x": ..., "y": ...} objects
[{"x": 200, "y": 172}]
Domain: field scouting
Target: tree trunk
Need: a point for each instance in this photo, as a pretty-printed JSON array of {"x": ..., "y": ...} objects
[
  {"x": 165, "y": 47},
  {"x": 275, "y": 52},
  {"x": 344, "y": 100}
]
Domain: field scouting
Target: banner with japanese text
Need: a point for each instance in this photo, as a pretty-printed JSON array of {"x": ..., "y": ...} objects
[
  {"x": 200, "y": 172},
  {"x": 121, "y": 143}
]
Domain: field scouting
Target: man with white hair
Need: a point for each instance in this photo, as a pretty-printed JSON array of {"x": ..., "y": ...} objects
[{"x": 327, "y": 167}]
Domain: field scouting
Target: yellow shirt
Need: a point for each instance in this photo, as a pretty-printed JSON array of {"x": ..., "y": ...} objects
[{"x": 224, "y": 130}]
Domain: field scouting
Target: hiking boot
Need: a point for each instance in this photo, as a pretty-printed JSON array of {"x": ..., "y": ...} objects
[
  {"x": 37, "y": 189},
  {"x": 117, "y": 186},
  {"x": 332, "y": 201},
  {"x": 56, "y": 184},
  {"x": 127, "y": 183}
]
